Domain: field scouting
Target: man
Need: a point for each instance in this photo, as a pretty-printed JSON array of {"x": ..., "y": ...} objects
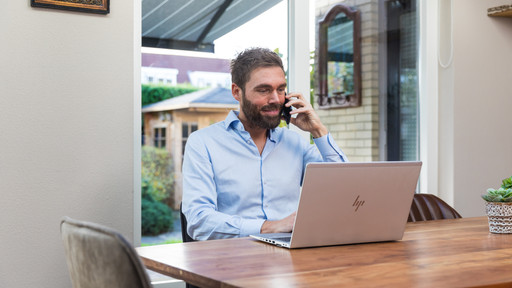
[{"x": 242, "y": 176}]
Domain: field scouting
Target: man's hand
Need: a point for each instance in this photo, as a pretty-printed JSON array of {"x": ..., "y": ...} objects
[
  {"x": 279, "y": 226},
  {"x": 306, "y": 119}
]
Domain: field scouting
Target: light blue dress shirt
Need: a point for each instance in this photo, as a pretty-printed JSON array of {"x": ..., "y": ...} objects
[{"x": 229, "y": 189}]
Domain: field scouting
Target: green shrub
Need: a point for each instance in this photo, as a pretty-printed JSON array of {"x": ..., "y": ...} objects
[
  {"x": 157, "y": 189},
  {"x": 156, "y": 216},
  {"x": 157, "y": 177},
  {"x": 152, "y": 93}
]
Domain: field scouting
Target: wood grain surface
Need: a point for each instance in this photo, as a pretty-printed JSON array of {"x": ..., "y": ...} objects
[{"x": 443, "y": 253}]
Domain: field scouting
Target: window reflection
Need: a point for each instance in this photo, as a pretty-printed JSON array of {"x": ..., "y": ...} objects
[{"x": 339, "y": 58}]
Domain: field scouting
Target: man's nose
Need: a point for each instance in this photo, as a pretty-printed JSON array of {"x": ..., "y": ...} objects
[{"x": 274, "y": 96}]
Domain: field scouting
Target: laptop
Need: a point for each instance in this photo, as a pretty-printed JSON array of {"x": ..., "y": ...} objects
[{"x": 348, "y": 203}]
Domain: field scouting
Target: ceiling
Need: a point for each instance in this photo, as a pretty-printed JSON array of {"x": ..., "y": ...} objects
[{"x": 195, "y": 24}]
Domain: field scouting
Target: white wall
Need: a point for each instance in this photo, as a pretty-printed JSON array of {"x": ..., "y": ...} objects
[
  {"x": 67, "y": 86},
  {"x": 475, "y": 100}
]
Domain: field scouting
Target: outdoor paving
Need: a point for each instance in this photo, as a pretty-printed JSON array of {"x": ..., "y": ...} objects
[{"x": 175, "y": 234}]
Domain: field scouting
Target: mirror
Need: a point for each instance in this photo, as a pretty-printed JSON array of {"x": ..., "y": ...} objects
[{"x": 339, "y": 58}]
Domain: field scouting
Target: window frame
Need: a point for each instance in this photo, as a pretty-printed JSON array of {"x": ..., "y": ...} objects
[{"x": 326, "y": 101}]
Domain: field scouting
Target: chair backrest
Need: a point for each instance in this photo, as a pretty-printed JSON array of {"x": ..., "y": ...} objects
[
  {"x": 430, "y": 207},
  {"x": 184, "y": 235},
  {"x": 98, "y": 256}
]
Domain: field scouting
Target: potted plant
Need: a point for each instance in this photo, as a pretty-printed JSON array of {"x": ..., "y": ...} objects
[{"x": 499, "y": 207}]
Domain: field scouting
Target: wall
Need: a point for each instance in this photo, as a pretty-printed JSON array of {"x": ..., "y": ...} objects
[
  {"x": 69, "y": 90},
  {"x": 356, "y": 129},
  {"x": 481, "y": 76}
]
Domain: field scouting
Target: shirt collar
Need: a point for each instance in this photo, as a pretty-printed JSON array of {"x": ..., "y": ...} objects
[
  {"x": 272, "y": 134},
  {"x": 235, "y": 123}
]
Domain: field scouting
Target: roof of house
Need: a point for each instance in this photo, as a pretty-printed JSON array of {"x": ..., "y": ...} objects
[
  {"x": 185, "y": 64},
  {"x": 208, "y": 98}
]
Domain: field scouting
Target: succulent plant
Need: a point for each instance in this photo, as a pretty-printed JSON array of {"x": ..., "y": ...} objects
[
  {"x": 502, "y": 194},
  {"x": 507, "y": 183}
]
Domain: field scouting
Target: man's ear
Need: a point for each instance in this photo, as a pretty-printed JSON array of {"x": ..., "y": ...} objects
[{"x": 236, "y": 91}]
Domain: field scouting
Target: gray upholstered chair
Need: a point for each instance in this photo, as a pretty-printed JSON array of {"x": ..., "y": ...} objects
[{"x": 98, "y": 256}]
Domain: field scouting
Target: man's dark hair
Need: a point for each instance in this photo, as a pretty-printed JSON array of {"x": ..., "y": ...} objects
[{"x": 250, "y": 59}]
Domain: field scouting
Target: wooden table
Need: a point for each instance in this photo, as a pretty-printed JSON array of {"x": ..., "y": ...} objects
[{"x": 444, "y": 253}]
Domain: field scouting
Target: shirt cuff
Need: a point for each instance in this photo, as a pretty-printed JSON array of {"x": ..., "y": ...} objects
[
  {"x": 326, "y": 146},
  {"x": 250, "y": 227}
]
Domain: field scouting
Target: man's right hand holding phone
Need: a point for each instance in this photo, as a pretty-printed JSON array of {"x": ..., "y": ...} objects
[{"x": 306, "y": 118}]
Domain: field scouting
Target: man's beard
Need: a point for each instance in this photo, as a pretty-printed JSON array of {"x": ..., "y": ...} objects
[{"x": 255, "y": 118}]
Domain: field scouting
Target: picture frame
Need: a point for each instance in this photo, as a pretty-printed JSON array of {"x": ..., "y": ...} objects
[{"x": 89, "y": 6}]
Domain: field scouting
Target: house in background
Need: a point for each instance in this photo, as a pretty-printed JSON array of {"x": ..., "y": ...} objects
[
  {"x": 179, "y": 69},
  {"x": 168, "y": 123}
]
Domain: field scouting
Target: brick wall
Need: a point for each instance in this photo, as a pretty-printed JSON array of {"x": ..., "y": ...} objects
[{"x": 356, "y": 130}]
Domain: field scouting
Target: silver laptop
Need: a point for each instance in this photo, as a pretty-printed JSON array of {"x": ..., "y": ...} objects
[{"x": 347, "y": 203}]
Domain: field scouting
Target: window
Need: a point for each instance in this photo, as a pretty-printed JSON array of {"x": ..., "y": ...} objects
[
  {"x": 186, "y": 130},
  {"x": 185, "y": 69},
  {"x": 159, "y": 137},
  {"x": 386, "y": 124},
  {"x": 339, "y": 59},
  {"x": 402, "y": 80}
]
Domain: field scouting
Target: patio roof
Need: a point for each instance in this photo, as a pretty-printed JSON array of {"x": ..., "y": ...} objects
[
  {"x": 195, "y": 24},
  {"x": 208, "y": 98}
]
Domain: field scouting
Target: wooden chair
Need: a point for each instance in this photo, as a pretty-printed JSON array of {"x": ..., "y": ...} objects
[
  {"x": 430, "y": 207},
  {"x": 98, "y": 256}
]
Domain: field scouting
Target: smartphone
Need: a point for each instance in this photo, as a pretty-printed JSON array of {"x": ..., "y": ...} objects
[{"x": 286, "y": 111}]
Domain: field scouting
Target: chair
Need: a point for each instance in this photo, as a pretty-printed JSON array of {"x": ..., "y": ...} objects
[
  {"x": 427, "y": 207},
  {"x": 184, "y": 235},
  {"x": 98, "y": 256}
]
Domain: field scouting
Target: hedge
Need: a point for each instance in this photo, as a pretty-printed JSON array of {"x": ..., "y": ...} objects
[
  {"x": 152, "y": 93},
  {"x": 156, "y": 216},
  {"x": 157, "y": 173},
  {"x": 157, "y": 190}
]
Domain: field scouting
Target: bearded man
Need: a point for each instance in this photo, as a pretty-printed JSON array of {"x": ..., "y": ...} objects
[{"x": 243, "y": 175}]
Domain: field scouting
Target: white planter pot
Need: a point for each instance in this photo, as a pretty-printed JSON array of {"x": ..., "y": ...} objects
[{"x": 499, "y": 215}]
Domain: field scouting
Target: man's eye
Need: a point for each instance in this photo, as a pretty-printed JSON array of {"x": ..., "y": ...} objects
[{"x": 264, "y": 90}]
